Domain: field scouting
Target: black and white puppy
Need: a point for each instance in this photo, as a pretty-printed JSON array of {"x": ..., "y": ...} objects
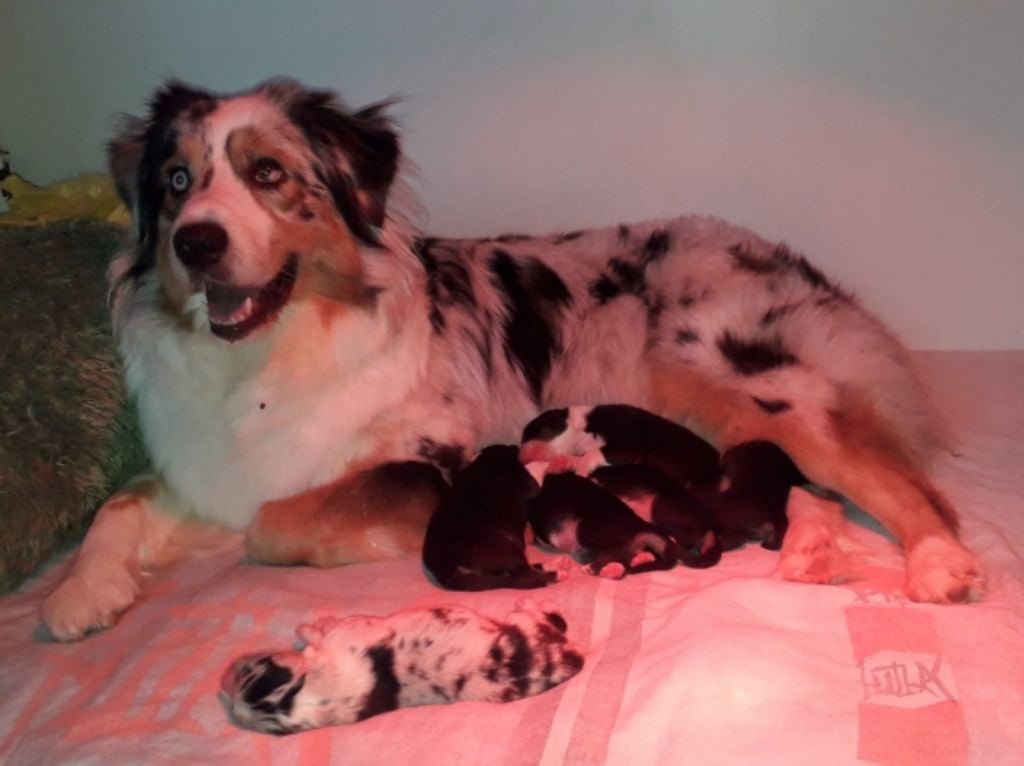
[
  {"x": 754, "y": 490},
  {"x": 476, "y": 539},
  {"x": 353, "y": 668},
  {"x": 576, "y": 516},
  {"x": 623, "y": 434}
]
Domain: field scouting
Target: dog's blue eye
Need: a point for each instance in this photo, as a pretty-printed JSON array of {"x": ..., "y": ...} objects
[
  {"x": 179, "y": 180},
  {"x": 267, "y": 172}
]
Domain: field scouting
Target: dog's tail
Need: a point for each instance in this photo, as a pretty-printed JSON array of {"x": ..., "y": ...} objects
[{"x": 523, "y": 579}]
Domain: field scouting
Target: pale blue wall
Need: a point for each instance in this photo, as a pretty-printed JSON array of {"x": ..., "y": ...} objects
[{"x": 885, "y": 138}]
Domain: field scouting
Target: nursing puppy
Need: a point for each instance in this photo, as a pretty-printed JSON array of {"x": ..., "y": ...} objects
[
  {"x": 623, "y": 435},
  {"x": 476, "y": 539},
  {"x": 283, "y": 331},
  {"x": 576, "y": 516},
  {"x": 669, "y": 506},
  {"x": 756, "y": 479}
]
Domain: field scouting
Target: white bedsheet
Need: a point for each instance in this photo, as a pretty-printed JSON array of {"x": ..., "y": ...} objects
[{"x": 727, "y": 665}]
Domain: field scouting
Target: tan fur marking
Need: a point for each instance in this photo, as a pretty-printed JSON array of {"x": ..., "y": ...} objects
[
  {"x": 355, "y": 519},
  {"x": 857, "y": 456}
]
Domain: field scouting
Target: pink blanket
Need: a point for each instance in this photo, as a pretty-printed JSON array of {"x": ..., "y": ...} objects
[{"x": 727, "y": 665}]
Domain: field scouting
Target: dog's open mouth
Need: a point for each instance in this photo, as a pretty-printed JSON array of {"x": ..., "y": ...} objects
[{"x": 236, "y": 311}]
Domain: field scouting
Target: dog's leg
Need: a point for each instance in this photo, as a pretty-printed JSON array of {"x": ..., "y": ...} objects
[
  {"x": 886, "y": 485},
  {"x": 368, "y": 515},
  {"x": 851, "y": 450},
  {"x": 139, "y": 528},
  {"x": 810, "y": 549}
]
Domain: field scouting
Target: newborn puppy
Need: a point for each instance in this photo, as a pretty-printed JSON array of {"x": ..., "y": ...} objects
[
  {"x": 476, "y": 538},
  {"x": 356, "y": 667},
  {"x": 753, "y": 492},
  {"x": 576, "y": 516},
  {"x": 623, "y": 435},
  {"x": 669, "y": 506}
]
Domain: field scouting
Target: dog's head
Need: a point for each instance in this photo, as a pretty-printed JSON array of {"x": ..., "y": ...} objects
[{"x": 253, "y": 200}]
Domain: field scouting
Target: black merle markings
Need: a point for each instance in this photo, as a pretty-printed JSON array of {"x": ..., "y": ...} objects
[
  {"x": 512, "y": 238},
  {"x": 448, "y": 280},
  {"x": 772, "y": 315},
  {"x": 773, "y": 406},
  {"x": 757, "y": 355},
  {"x": 511, "y": 663},
  {"x": 745, "y": 260},
  {"x": 568, "y": 236},
  {"x": 384, "y": 694},
  {"x": 604, "y": 288},
  {"x": 781, "y": 259},
  {"x": 137, "y": 156},
  {"x": 623, "y": 277},
  {"x": 368, "y": 141},
  {"x": 655, "y": 305},
  {"x": 623, "y": 234},
  {"x": 536, "y": 297},
  {"x": 684, "y": 337},
  {"x": 557, "y": 620},
  {"x": 656, "y": 246}
]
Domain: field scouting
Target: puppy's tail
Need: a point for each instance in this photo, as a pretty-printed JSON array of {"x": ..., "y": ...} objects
[{"x": 523, "y": 579}]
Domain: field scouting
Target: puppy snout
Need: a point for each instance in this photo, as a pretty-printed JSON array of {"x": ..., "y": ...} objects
[{"x": 201, "y": 245}]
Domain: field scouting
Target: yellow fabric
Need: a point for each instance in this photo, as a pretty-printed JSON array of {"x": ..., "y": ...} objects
[{"x": 90, "y": 195}]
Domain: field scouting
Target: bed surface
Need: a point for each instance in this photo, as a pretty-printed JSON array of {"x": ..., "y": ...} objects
[{"x": 727, "y": 665}]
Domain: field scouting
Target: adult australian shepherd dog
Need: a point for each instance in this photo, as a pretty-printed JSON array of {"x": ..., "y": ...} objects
[{"x": 308, "y": 369}]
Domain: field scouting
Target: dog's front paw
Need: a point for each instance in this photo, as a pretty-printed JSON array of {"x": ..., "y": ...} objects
[
  {"x": 88, "y": 601},
  {"x": 810, "y": 551},
  {"x": 941, "y": 571}
]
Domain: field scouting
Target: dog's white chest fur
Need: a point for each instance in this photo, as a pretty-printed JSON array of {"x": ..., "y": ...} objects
[{"x": 230, "y": 427}]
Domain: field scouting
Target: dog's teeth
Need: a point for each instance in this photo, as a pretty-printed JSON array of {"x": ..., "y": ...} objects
[{"x": 242, "y": 313}]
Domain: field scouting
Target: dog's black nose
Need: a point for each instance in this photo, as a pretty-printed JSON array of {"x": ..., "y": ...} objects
[{"x": 200, "y": 245}]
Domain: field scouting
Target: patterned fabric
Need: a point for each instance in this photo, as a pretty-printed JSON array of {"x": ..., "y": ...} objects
[{"x": 724, "y": 665}]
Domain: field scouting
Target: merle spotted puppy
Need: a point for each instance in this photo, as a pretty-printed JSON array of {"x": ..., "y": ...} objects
[
  {"x": 751, "y": 505},
  {"x": 356, "y": 667},
  {"x": 669, "y": 506},
  {"x": 623, "y": 434},
  {"x": 476, "y": 539},
  {"x": 576, "y": 516}
]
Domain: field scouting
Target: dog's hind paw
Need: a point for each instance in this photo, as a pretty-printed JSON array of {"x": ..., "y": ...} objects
[
  {"x": 941, "y": 571},
  {"x": 80, "y": 604}
]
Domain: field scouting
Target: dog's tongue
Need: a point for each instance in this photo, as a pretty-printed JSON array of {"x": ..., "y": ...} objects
[{"x": 227, "y": 304}]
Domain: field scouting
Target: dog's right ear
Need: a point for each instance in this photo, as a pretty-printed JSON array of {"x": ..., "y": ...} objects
[{"x": 124, "y": 155}]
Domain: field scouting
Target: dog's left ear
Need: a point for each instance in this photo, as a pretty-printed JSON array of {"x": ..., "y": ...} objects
[
  {"x": 357, "y": 155},
  {"x": 124, "y": 154}
]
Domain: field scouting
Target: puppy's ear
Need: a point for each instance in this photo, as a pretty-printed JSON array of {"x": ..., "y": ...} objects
[{"x": 357, "y": 154}]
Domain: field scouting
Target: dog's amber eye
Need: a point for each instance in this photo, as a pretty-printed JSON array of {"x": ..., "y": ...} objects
[
  {"x": 179, "y": 180},
  {"x": 267, "y": 172}
]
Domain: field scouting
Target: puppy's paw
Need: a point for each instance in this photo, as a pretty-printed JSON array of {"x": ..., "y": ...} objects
[
  {"x": 89, "y": 601},
  {"x": 643, "y": 557},
  {"x": 613, "y": 570},
  {"x": 941, "y": 571}
]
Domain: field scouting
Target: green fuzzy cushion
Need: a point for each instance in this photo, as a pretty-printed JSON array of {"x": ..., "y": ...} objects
[{"x": 68, "y": 437}]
